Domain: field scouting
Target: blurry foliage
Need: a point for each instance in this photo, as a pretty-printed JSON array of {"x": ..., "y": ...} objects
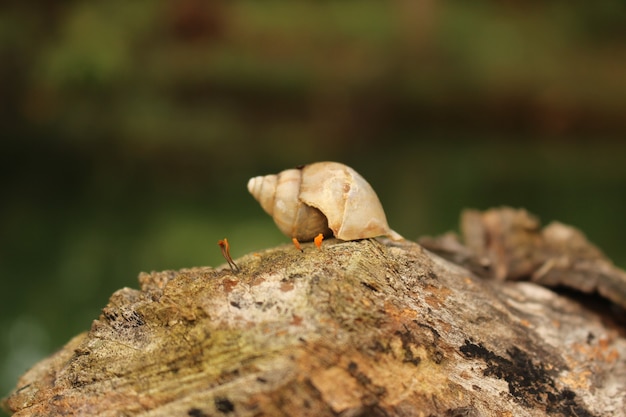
[
  {"x": 197, "y": 72},
  {"x": 130, "y": 130}
]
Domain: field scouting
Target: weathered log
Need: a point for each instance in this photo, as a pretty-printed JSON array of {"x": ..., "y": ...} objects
[
  {"x": 509, "y": 244},
  {"x": 361, "y": 328}
]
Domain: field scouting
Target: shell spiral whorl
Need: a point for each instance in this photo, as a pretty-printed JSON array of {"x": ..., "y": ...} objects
[{"x": 323, "y": 197}]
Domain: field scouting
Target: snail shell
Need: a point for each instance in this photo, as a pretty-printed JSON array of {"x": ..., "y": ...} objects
[{"x": 324, "y": 197}]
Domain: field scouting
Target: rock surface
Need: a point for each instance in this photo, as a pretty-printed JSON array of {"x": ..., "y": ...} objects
[{"x": 362, "y": 328}]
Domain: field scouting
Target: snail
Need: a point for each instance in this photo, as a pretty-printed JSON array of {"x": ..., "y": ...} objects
[{"x": 324, "y": 197}]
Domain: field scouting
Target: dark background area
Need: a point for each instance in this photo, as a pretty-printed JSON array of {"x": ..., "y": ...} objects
[{"x": 129, "y": 131}]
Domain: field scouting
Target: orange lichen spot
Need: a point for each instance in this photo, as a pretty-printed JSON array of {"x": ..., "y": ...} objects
[
  {"x": 577, "y": 380},
  {"x": 612, "y": 356},
  {"x": 297, "y": 244},
  {"x": 318, "y": 240},
  {"x": 256, "y": 281},
  {"x": 603, "y": 343},
  {"x": 229, "y": 284},
  {"x": 225, "y": 247}
]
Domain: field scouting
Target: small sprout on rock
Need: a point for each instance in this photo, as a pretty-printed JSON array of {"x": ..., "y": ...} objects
[{"x": 226, "y": 254}]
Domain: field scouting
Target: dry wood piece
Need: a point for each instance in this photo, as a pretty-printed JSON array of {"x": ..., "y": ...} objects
[
  {"x": 509, "y": 238},
  {"x": 509, "y": 244},
  {"x": 362, "y": 328}
]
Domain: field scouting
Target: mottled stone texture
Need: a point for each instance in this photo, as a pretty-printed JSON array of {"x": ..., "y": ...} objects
[{"x": 361, "y": 328}]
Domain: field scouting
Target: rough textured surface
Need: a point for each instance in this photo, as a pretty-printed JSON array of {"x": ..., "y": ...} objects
[
  {"x": 509, "y": 244},
  {"x": 357, "y": 328}
]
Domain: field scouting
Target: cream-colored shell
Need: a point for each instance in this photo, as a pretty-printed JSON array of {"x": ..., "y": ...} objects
[{"x": 324, "y": 197}]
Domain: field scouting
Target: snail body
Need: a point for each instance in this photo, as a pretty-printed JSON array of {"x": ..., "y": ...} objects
[{"x": 323, "y": 197}]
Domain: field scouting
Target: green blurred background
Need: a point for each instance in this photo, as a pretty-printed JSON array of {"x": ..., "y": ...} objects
[{"x": 129, "y": 131}]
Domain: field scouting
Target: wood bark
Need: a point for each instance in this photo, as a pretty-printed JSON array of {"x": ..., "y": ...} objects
[
  {"x": 509, "y": 244},
  {"x": 361, "y": 328}
]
